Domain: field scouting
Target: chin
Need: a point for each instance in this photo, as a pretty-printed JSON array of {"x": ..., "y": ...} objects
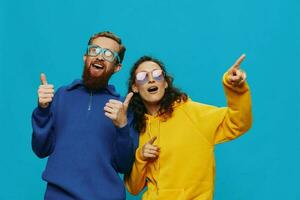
[{"x": 154, "y": 100}]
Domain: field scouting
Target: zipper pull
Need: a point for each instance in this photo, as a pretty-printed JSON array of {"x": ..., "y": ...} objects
[{"x": 90, "y": 101}]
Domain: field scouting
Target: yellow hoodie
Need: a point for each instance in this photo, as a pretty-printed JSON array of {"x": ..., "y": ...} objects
[{"x": 185, "y": 168}]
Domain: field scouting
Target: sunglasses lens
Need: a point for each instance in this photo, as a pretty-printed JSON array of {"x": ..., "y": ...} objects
[
  {"x": 93, "y": 50},
  {"x": 141, "y": 76},
  {"x": 108, "y": 55},
  {"x": 157, "y": 74}
]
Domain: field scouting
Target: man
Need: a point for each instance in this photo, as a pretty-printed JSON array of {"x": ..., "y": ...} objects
[{"x": 73, "y": 127}]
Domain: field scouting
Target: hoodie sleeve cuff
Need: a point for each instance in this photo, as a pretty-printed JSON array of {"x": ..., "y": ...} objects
[
  {"x": 124, "y": 131},
  {"x": 138, "y": 156},
  {"x": 42, "y": 111}
]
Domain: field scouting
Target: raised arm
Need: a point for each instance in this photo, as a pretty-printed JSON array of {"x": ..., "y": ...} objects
[
  {"x": 42, "y": 121},
  {"x": 237, "y": 117},
  {"x": 125, "y": 144}
]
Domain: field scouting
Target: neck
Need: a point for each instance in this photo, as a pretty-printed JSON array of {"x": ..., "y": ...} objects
[{"x": 152, "y": 109}]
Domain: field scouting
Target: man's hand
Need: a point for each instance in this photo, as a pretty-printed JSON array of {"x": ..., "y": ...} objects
[
  {"x": 235, "y": 75},
  {"x": 45, "y": 92},
  {"x": 150, "y": 151},
  {"x": 117, "y": 110}
]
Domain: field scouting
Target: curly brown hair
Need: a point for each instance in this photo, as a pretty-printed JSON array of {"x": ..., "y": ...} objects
[{"x": 137, "y": 107}]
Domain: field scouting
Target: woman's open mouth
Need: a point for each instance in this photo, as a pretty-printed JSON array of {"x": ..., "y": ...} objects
[{"x": 152, "y": 89}]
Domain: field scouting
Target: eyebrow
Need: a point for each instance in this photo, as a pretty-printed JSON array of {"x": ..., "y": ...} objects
[
  {"x": 103, "y": 47},
  {"x": 149, "y": 71}
]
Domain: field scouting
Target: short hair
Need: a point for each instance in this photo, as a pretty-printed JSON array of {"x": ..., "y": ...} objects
[{"x": 112, "y": 36}]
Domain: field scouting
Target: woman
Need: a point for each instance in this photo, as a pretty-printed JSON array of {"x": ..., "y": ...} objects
[{"x": 175, "y": 157}]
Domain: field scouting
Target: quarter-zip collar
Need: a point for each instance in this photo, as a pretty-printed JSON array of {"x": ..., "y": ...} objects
[{"x": 79, "y": 83}]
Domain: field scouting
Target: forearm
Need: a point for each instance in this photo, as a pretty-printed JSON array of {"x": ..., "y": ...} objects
[
  {"x": 238, "y": 115},
  {"x": 42, "y": 136},
  {"x": 124, "y": 149},
  {"x": 136, "y": 180},
  {"x": 239, "y": 104}
]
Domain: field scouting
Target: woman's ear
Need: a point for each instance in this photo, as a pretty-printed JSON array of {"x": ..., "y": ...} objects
[
  {"x": 134, "y": 88},
  {"x": 166, "y": 85}
]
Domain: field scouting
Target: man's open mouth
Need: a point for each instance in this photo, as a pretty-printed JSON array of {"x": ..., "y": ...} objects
[{"x": 97, "y": 66}]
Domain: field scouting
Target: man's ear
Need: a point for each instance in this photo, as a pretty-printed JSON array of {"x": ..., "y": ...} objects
[
  {"x": 118, "y": 67},
  {"x": 84, "y": 58},
  {"x": 166, "y": 85},
  {"x": 134, "y": 88}
]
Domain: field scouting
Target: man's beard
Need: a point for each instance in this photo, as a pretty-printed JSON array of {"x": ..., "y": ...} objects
[{"x": 95, "y": 83}]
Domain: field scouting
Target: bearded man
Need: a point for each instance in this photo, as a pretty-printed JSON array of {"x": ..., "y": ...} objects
[{"x": 83, "y": 128}]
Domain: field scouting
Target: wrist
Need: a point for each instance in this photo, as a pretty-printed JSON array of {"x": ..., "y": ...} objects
[
  {"x": 139, "y": 155},
  {"x": 43, "y": 105},
  {"x": 121, "y": 124}
]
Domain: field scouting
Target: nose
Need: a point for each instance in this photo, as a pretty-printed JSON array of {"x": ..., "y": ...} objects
[
  {"x": 150, "y": 78},
  {"x": 100, "y": 57}
]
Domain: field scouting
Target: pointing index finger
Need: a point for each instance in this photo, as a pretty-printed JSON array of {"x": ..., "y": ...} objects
[
  {"x": 151, "y": 141},
  {"x": 237, "y": 64}
]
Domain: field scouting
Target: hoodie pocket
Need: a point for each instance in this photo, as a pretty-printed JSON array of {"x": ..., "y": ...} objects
[{"x": 174, "y": 194}]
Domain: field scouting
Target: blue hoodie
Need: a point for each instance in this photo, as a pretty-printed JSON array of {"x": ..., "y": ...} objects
[{"x": 86, "y": 151}]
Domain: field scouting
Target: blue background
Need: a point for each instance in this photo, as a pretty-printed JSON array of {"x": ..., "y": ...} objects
[{"x": 198, "y": 41}]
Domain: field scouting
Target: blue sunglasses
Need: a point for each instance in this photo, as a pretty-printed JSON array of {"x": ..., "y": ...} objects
[{"x": 107, "y": 54}]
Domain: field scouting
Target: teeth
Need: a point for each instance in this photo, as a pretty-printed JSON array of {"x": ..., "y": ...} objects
[{"x": 98, "y": 65}]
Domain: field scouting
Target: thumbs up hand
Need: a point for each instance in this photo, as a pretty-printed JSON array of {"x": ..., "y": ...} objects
[
  {"x": 117, "y": 110},
  {"x": 45, "y": 92}
]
